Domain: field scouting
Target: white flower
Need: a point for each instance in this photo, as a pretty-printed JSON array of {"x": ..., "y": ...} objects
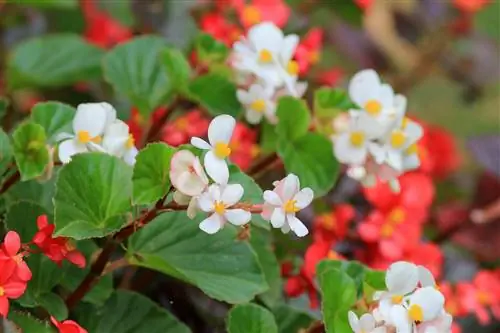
[
  {"x": 192, "y": 203},
  {"x": 425, "y": 277},
  {"x": 118, "y": 141},
  {"x": 219, "y": 134},
  {"x": 365, "y": 324},
  {"x": 187, "y": 174},
  {"x": 442, "y": 324},
  {"x": 258, "y": 103},
  {"x": 218, "y": 201},
  {"x": 89, "y": 124},
  {"x": 284, "y": 202}
]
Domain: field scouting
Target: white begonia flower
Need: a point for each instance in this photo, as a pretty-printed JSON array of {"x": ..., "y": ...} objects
[
  {"x": 258, "y": 102},
  {"x": 397, "y": 143},
  {"x": 267, "y": 53},
  {"x": 118, "y": 141},
  {"x": 365, "y": 324},
  {"x": 442, "y": 324},
  {"x": 220, "y": 132},
  {"x": 284, "y": 202},
  {"x": 425, "y": 277},
  {"x": 89, "y": 124},
  {"x": 218, "y": 200},
  {"x": 425, "y": 304},
  {"x": 192, "y": 203},
  {"x": 187, "y": 174}
]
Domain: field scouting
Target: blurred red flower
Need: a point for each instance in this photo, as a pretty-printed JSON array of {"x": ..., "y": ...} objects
[
  {"x": 309, "y": 50},
  {"x": 276, "y": 11},
  {"x": 216, "y": 25},
  {"x": 10, "y": 287},
  {"x": 333, "y": 225},
  {"x": 10, "y": 256},
  {"x": 470, "y": 6},
  {"x": 180, "y": 130},
  {"x": 244, "y": 147},
  {"x": 67, "y": 326}
]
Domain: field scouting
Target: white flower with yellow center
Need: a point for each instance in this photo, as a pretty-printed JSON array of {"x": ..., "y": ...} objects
[
  {"x": 89, "y": 124},
  {"x": 118, "y": 141},
  {"x": 442, "y": 324},
  {"x": 220, "y": 132},
  {"x": 187, "y": 174},
  {"x": 258, "y": 103},
  {"x": 284, "y": 202},
  {"x": 218, "y": 201},
  {"x": 365, "y": 324}
]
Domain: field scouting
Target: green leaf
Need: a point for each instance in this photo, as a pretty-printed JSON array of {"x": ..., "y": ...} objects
[
  {"x": 348, "y": 11},
  {"x": 54, "y": 305},
  {"x": 64, "y": 4},
  {"x": 134, "y": 70},
  {"x": 129, "y": 312},
  {"x": 290, "y": 319},
  {"x": 311, "y": 159},
  {"x": 21, "y": 217},
  {"x": 354, "y": 269},
  {"x": 251, "y": 318},
  {"x": 151, "y": 179},
  {"x": 119, "y": 10},
  {"x": 28, "y": 323},
  {"x": 177, "y": 68},
  {"x": 375, "y": 279},
  {"x": 330, "y": 102},
  {"x": 224, "y": 268},
  {"x": 52, "y": 61},
  {"x": 294, "y": 118},
  {"x": 54, "y": 117},
  {"x": 215, "y": 93},
  {"x": 209, "y": 50},
  {"x": 92, "y": 196},
  {"x": 5, "y": 152},
  {"x": 30, "y": 150},
  {"x": 338, "y": 292},
  {"x": 34, "y": 192},
  {"x": 4, "y": 103},
  {"x": 486, "y": 20},
  {"x": 268, "y": 138}
]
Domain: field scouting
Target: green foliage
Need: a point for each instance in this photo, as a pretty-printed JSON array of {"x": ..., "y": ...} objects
[
  {"x": 223, "y": 267},
  {"x": 151, "y": 179},
  {"x": 53, "y": 61},
  {"x": 129, "y": 312},
  {"x": 328, "y": 103},
  {"x": 64, "y": 4},
  {"x": 28, "y": 323},
  {"x": 134, "y": 70},
  {"x": 251, "y": 318},
  {"x": 30, "y": 150},
  {"x": 93, "y": 194},
  {"x": 4, "y": 103},
  {"x": 294, "y": 118},
  {"x": 349, "y": 11},
  {"x": 54, "y": 117},
  {"x": 119, "y": 10},
  {"x": 210, "y": 50},
  {"x": 290, "y": 319},
  {"x": 177, "y": 68},
  {"x": 21, "y": 217},
  {"x": 33, "y": 191},
  {"x": 268, "y": 138},
  {"x": 6, "y": 153},
  {"x": 215, "y": 93},
  {"x": 486, "y": 20}
]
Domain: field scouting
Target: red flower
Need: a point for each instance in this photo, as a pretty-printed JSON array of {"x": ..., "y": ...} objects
[
  {"x": 216, "y": 25},
  {"x": 333, "y": 225},
  {"x": 183, "y": 128},
  {"x": 470, "y": 6},
  {"x": 276, "y": 11},
  {"x": 56, "y": 249},
  {"x": 453, "y": 303},
  {"x": 67, "y": 326},
  {"x": 10, "y": 287},
  {"x": 10, "y": 256},
  {"x": 137, "y": 123},
  {"x": 428, "y": 255},
  {"x": 330, "y": 77},
  {"x": 243, "y": 146},
  {"x": 364, "y": 4},
  {"x": 309, "y": 50}
]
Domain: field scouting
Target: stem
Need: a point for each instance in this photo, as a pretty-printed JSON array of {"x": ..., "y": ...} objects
[
  {"x": 254, "y": 209},
  {"x": 117, "y": 264},
  {"x": 262, "y": 164},
  {"x": 10, "y": 181}
]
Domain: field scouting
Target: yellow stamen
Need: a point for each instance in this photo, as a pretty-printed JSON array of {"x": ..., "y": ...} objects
[
  {"x": 96, "y": 139},
  {"x": 397, "y": 216},
  {"x": 373, "y": 107},
  {"x": 398, "y": 139},
  {"x": 329, "y": 222},
  {"x": 70, "y": 246},
  {"x": 483, "y": 298},
  {"x": 265, "y": 56},
  {"x": 222, "y": 150},
  {"x": 332, "y": 255},
  {"x": 2, "y": 291},
  {"x": 130, "y": 141},
  {"x": 292, "y": 67},
  {"x": 251, "y": 15},
  {"x": 357, "y": 139},
  {"x": 259, "y": 105},
  {"x": 219, "y": 207},
  {"x": 83, "y": 136},
  {"x": 413, "y": 149},
  {"x": 181, "y": 124},
  {"x": 314, "y": 57},
  {"x": 290, "y": 207},
  {"x": 405, "y": 122},
  {"x": 387, "y": 230},
  {"x": 397, "y": 299},
  {"x": 416, "y": 313}
]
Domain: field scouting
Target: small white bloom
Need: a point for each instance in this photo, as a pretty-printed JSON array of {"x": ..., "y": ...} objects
[
  {"x": 218, "y": 201},
  {"x": 442, "y": 324},
  {"x": 118, "y": 141},
  {"x": 425, "y": 304},
  {"x": 187, "y": 174},
  {"x": 220, "y": 132},
  {"x": 365, "y": 324},
  {"x": 425, "y": 277},
  {"x": 398, "y": 142},
  {"x": 284, "y": 202},
  {"x": 192, "y": 202},
  {"x": 258, "y": 102},
  {"x": 89, "y": 124}
]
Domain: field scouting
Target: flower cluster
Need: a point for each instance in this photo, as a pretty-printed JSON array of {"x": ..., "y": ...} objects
[
  {"x": 96, "y": 128},
  {"x": 265, "y": 70},
  {"x": 411, "y": 303},
  {"x": 376, "y": 140}
]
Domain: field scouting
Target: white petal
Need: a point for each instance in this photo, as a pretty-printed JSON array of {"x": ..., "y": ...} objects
[
  {"x": 232, "y": 194},
  {"x": 426, "y": 278},
  {"x": 291, "y": 186},
  {"x": 130, "y": 155},
  {"x": 266, "y": 35},
  {"x": 200, "y": 143},
  {"x": 215, "y": 192},
  {"x": 400, "y": 105},
  {"x": 290, "y": 43},
  {"x": 348, "y": 154},
  {"x": 181, "y": 198},
  {"x": 285, "y": 228},
  {"x": 115, "y": 138},
  {"x": 272, "y": 198},
  {"x": 198, "y": 169},
  {"x": 211, "y": 224},
  {"x": 367, "y": 322},
  {"x": 363, "y": 86},
  {"x": 90, "y": 117},
  {"x": 110, "y": 113},
  {"x": 192, "y": 208},
  {"x": 386, "y": 96},
  {"x": 278, "y": 218},
  {"x": 243, "y": 96},
  {"x": 399, "y": 318},
  {"x": 69, "y": 148},
  {"x": 411, "y": 162},
  {"x": 238, "y": 216},
  {"x": 296, "y": 225},
  {"x": 221, "y": 129},
  {"x": 216, "y": 168},
  {"x": 253, "y": 117},
  {"x": 206, "y": 202},
  {"x": 303, "y": 198},
  {"x": 353, "y": 321},
  {"x": 63, "y": 136},
  {"x": 380, "y": 329},
  {"x": 430, "y": 300},
  {"x": 189, "y": 184},
  {"x": 181, "y": 161},
  {"x": 401, "y": 278},
  {"x": 377, "y": 151}
]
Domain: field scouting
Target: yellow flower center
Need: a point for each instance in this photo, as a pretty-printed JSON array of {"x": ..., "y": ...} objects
[
  {"x": 222, "y": 150},
  {"x": 182, "y": 124},
  {"x": 373, "y": 107},
  {"x": 397, "y": 216},
  {"x": 290, "y": 207},
  {"x": 398, "y": 139},
  {"x": 314, "y": 57},
  {"x": 329, "y": 222},
  {"x": 130, "y": 141},
  {"x": 251, "y": 15},
  {"x": 397, "y": 299},
  {"x": 18, "y": 258},
  {"x": 84, "y": 137},
  {"x": 405, "y": 122},
  {"x": 2, "y": 291},
  {"x": 413, "y": 149},
  {"x": 292, "y": 67},
  {"x": 416, "y": 313},
  {"x": 219, "y": 207},
  {"x": 332, "y": 255},
  {"x": 483, "y": 298},
  {"x": 357, "y": 139},
  {"x": 70, "y": 246},
  {"x": 387, "y": 230},
  {"x": 259, "y": 105},
  {"x": 265, "y": 56}
]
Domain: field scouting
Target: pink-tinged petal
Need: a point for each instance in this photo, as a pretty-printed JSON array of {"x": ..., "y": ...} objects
[
  {"x": 291, "y": 186},
  {"x": 390, "y": 249},
  {"x": 189, "y": 184},
  {"x": 42, "y": 221},
  {"x": 221, "y": 129},
  {"x": 200, "y": 143},
  {"x": 278, "y": 218},
  {"x": 304, "y": 198},
  {"x": 55, "y": 322},
  {"x": 267, "y": 211},
  {"x": 216, "y": 168},
  {"x": 14, "y": 289},
  {"x": 12, "y": 243},
  {"x": 4, "y": 306},
  {"x": 23, "y": 271},
  {"x": 482, "y": 315},
  {"x": 76, "y": 258},
  {"x": 272, "y": 198}
]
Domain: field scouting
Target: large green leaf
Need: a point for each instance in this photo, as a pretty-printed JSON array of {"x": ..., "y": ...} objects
[
  {"x": 291, "y": 320},
  {"x": 5, "y": 152},
  {"x": 151, "y": 179},
  {"x": 30, "y": 150},
  {"x": 216, "y": 93},
  {"x": 34, "y": 192},
  {"x": 268, "y": 138},
  {"x": 21, "y": 217},
  {"x": 65, "y": 4},
  {"x": 224, "y": 268},
  {"x": 177, "y": 68},
  {"x": 129, "y": 312},
  {"x": 311, "y": 159},
  {"x": 354, "y": 269},
  {"x": 134, "y": 69},
  {"x": 331, "y": 102},
  {"x": 209, "y": 50},
  {"x": 93, "y": 194},
  {"x": 251, "y": 318},
  {"x": 52, "y": 61},
  {"x": 294, "y": 118},
  {"x": 54, "y": 117},
  {"x": 28, "y": 323}
]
